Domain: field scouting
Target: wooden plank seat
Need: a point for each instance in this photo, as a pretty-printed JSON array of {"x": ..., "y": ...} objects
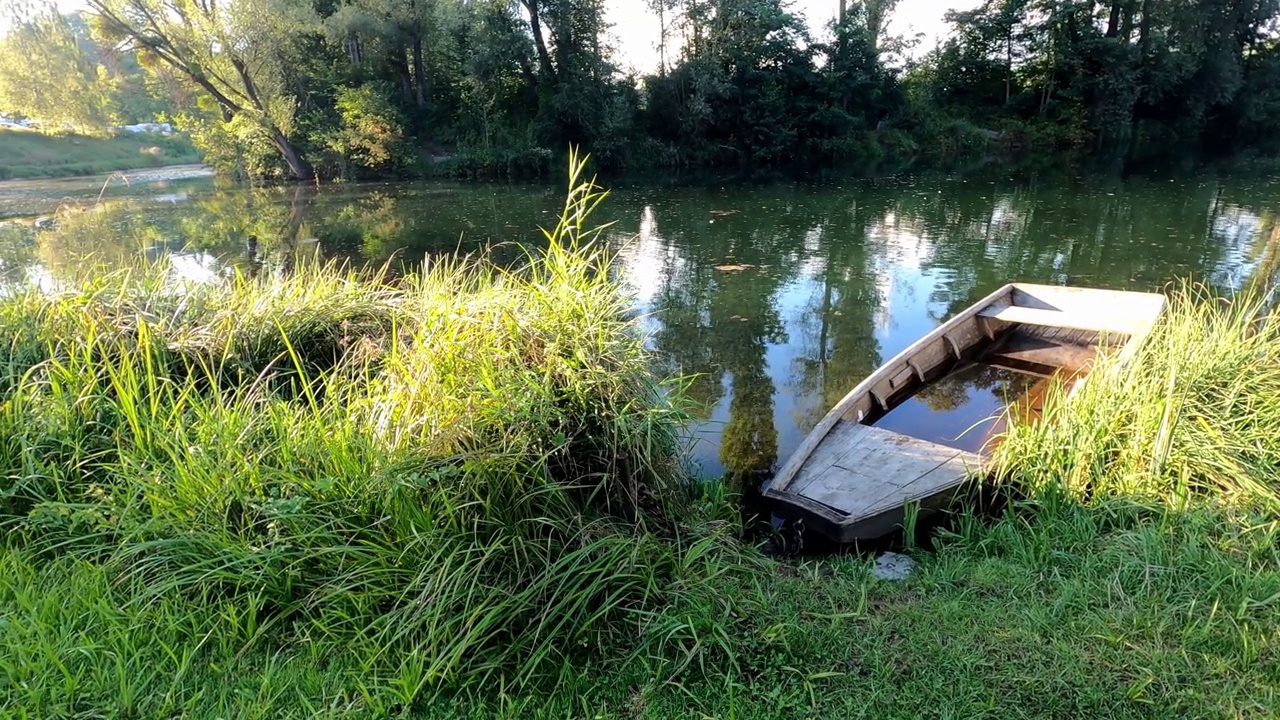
[{"x": 1057, "y": 318}]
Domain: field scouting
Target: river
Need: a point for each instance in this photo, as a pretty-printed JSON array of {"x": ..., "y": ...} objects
[{"x": 779, "y": 298}]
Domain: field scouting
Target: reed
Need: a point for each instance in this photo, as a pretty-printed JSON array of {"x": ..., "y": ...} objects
[
  {"x": 462, "y": 474},
  {"x": 460, "y": 494},
  {"x": 1194, "y": 418}
]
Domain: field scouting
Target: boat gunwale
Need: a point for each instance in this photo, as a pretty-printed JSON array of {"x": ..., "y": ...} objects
[{"x": 777, "y": 488}]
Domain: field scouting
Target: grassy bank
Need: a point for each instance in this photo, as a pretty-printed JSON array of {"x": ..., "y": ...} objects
[
  {"x": 460, "y": 494},
  {"x": 31, "y": 155},
  {"x": 464, "y": 476}
]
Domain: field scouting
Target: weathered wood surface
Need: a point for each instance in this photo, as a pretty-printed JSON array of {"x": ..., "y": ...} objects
[
  {"x": 1075, "y": 320},
  {"x": 853, "y": 480},
  {"x": 864, "y": 471},
  {"x": 1070, "y": 351}
]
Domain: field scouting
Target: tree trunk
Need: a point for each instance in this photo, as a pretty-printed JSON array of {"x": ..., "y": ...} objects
[
  {"x": 662, "y": 39},
  {"x": 1126, "y": 21},
  {"x": 1008, "y": 67},
  {"x": 298, "y": 165},
  {"x": 844, "y": 10},
  {"x": 400, "y": 59},
  {"x": 1144, "y": 28},
  {"x": 419, "y": 75},
  {"x": 539, "y": 41},
  {"x": 875, "y": 11},
  {"x": 1113, "y": 22},
  {"x": 527, "y": 72},
  {"x": 695, "y": 20},
  {"x": 353, "y": 49}
]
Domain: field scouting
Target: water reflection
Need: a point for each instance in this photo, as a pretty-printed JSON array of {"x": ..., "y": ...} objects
[
  {"x": 777, "y": 299},
  {"x": 961, "y": 410}
]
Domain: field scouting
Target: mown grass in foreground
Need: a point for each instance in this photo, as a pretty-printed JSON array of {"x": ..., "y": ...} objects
[{"x": 288, "y": 499}]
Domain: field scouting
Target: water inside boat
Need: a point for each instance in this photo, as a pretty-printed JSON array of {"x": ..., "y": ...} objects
[
  {"x": 962, "y": 410},
  {"x": 965, "y": 408}
]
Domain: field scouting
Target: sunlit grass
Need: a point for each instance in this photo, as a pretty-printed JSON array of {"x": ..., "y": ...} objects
[
  {"x": 467, "y": 475},
  {"x": 460, "y": 494},
  {"x": 26, "y": 154},
  {"x": 1193, "y": 418}
]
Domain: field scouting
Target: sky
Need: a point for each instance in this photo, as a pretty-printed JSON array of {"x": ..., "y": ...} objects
[{"x": 637, "y": 28}]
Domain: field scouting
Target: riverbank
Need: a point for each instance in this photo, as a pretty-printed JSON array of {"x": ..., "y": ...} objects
[
  {"x": 27, "y": 155},
  {"x": 320, "y": 495}
]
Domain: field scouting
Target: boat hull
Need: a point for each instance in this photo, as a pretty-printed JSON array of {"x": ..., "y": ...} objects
[{"x": 853, "y": 480}]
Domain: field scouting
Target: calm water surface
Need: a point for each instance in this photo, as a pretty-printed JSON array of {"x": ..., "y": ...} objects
[{"x": 779, "y": 298}]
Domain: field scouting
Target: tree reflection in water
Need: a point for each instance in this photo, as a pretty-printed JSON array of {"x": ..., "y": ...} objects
[{"x": 816, "y": 283}]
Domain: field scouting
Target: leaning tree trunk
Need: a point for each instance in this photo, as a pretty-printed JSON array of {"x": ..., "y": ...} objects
[
  {"x": 546, "y": 71},
  {"x": 298, "y": 165},
  {"x": 1113, "y": 22}
]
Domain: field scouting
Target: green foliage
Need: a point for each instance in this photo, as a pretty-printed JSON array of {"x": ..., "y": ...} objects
[
  {"x": 464, "y": 475},
  {"x": 51, "y": 68},
  {"x": 238, "y": 60},
  {"x": 481, "y": 164},
  {"x": 751, "y": 91},
  {"x": 1117, "y": 74},
  {"x": 479, "y": 89},
  {"x": 47, "y": 72},
  {"x": 240, "y": 148},
  {"x": 370, "y": 137}
]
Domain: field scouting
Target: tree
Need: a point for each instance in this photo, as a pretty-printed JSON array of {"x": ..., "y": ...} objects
[
  {"x": 1151, "y": 73},
  {"x": 47, "y": 72},
  {"x": 402, "y": 26},
  {"x": 236, "y": 53}
]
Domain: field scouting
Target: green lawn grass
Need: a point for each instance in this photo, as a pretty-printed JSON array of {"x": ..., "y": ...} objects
[
  {"x": 328, "y": 495},
  {"x": 1111, "y": 611},
  {"x": 29, "y": 155}
]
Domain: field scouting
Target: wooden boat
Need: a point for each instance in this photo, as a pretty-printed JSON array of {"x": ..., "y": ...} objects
[{"x": 851, "y": 480}]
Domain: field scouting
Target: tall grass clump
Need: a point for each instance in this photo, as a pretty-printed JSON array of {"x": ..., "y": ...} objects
[
  {"x": 1193, "y": 418},
  {"x": 461, "y": 474}
]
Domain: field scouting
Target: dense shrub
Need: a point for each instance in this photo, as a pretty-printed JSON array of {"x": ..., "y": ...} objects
[{"x": 465, "y": 472}]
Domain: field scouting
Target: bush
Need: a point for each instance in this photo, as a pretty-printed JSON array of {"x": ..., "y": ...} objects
[
  {"x": 493, "y": 164},
  {"x": 240, "y": 148},
  {"x": 460, "y": 474},
  {"x": 370, "y": 136}
]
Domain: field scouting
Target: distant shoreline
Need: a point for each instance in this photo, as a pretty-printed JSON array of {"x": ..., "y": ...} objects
[
  {"x": 36, "y": 156},
  {"x": 177, "y": 171},
  {"x": 31, "y": 198}
]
